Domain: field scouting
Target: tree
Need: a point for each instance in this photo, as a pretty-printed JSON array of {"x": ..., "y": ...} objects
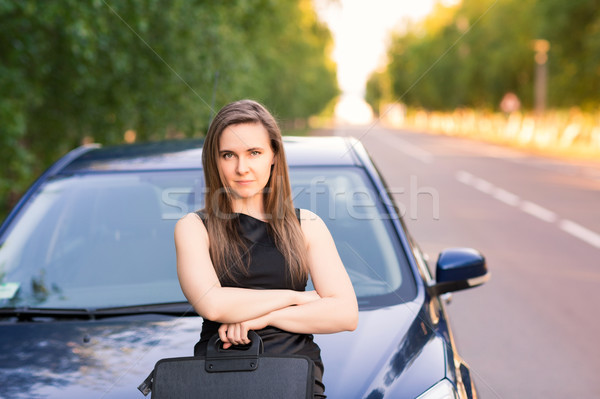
[
  {"x": 73, "y": 70},
  {"x": 471, "y": 54}
]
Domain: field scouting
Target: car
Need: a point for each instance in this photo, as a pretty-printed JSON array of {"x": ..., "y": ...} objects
[{"x": 90, "y": 301}]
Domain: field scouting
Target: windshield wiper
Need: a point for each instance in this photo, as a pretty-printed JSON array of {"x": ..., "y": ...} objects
[
  {"x": 170, "y": 309},
  {"x": 26, "y": 313}
]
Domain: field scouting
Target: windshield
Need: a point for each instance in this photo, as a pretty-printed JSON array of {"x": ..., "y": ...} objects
[{"x": 106, "y": 239}]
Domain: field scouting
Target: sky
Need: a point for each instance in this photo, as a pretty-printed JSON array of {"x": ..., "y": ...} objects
[{"x": 361, "y": 30}]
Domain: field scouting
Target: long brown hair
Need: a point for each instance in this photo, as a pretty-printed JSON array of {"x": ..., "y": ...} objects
[{"x": 227, "y": 248}]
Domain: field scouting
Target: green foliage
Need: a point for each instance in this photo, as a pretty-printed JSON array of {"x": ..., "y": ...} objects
[
  {"x": 378, "y": 91},
  {"x": 471, "y": 54},
  {"x": 73, "y": 69},
  {"x": 573, "y": 30}
]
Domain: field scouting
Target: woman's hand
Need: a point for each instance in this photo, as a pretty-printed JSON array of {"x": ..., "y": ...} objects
[
  {"x": 237, "y": 333},
  {"x": 201, "y": 286},
  {"x": 337, "y": 308}
]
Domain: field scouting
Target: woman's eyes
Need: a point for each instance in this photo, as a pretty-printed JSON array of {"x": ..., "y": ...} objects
[{"x": 229, "y": 155}]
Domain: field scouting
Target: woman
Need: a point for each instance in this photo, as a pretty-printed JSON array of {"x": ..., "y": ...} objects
[{"x": 243, "y": 261}]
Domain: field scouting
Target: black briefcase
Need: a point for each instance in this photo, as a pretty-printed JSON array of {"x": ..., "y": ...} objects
[{"x": 232, "y": 373}]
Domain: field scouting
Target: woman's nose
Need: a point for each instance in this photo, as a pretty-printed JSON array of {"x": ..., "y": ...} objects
[{"x": 242, "y": 166}]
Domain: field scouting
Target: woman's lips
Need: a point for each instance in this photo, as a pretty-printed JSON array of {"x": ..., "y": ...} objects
[{"x": 244, "y": 182}]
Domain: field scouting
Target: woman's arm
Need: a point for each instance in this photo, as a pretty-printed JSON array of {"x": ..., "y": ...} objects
[
  {"x": 336, "y": 310},
  {"x": 200, "y": 283}
]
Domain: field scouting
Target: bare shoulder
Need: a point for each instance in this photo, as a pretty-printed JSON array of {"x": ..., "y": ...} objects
[
  {"x": 312, "y": 225},
  {"x": 308, "y": 217},
  {"x": 190, "y": 224},
  {"x": 191, "y": 219}
]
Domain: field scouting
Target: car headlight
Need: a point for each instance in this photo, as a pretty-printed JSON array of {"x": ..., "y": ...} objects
[{"x": 442, "y": 390}]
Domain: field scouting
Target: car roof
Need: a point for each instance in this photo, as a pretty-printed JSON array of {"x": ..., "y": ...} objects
[{"x": 187, "y": 154}]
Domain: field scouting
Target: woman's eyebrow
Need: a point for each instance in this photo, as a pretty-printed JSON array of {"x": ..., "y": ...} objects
[{"x": 247, "y": 150}]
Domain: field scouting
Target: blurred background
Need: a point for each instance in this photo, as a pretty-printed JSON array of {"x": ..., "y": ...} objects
[
  {"x": 523, "y": 72},
  {"x": 73, "y": 72},
  {"x": 484, "y": 117}
]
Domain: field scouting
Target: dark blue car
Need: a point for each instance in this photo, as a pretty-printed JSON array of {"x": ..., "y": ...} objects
[{"x": 89, "y": 296}]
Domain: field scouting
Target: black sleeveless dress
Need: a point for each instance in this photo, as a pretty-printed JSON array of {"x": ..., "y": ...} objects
[{"x": 267, "y": 270}]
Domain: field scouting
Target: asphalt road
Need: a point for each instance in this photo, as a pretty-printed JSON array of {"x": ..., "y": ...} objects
[{"x": 533, "y": 330}]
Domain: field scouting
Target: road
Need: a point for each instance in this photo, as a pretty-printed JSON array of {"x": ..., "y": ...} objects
[{"x": 531, "y": 331}]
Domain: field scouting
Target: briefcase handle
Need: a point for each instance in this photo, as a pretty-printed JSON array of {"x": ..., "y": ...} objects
[{"x": 236, "y": 358}]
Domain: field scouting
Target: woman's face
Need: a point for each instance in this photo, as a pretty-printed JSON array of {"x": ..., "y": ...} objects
[{"x": 245, "y": 159}]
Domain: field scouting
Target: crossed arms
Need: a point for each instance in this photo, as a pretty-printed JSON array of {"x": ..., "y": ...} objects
[{"x": 332, "y": 307}]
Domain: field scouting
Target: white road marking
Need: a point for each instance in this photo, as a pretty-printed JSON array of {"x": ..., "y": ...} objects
[
  {"x": 538, "y": 211},
  {"x": 408, "y": 149},
  {"x": 464, "y": 177},
  {"x": 506, "y": 196},
  {"x": 416, "y": 152},
  {"x": 531, "y": 208},
  {"x": 580, "y": 232},
  {"x": 483, "y": 185}
]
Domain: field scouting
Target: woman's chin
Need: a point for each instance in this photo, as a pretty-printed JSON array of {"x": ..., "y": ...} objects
[{"x": 244, "y": 195}]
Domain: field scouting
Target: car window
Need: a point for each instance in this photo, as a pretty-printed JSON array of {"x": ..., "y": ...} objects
[
  {"x": 346, "y": 200},
  {"x": 106, "y": 239},
  {"x": 98, "y": 240}
]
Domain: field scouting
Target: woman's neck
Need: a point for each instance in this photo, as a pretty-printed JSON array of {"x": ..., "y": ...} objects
[{"x": 249, "y": 207}]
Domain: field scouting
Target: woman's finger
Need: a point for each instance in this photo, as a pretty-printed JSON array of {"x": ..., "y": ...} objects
[
  {"x": 244, "y": 334},
  {"x": 223, "y": 332},
  {"x": 233, "y": 334},
  {"x": 223, "y": 335}
]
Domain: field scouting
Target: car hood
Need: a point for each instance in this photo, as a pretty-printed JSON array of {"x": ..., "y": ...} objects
[
  {"x": 394, "y": 353},
  {"x": 391, "y": 347}
]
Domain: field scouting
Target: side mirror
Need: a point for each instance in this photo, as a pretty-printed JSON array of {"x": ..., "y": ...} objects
[{"x": 458, "y": 269}]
